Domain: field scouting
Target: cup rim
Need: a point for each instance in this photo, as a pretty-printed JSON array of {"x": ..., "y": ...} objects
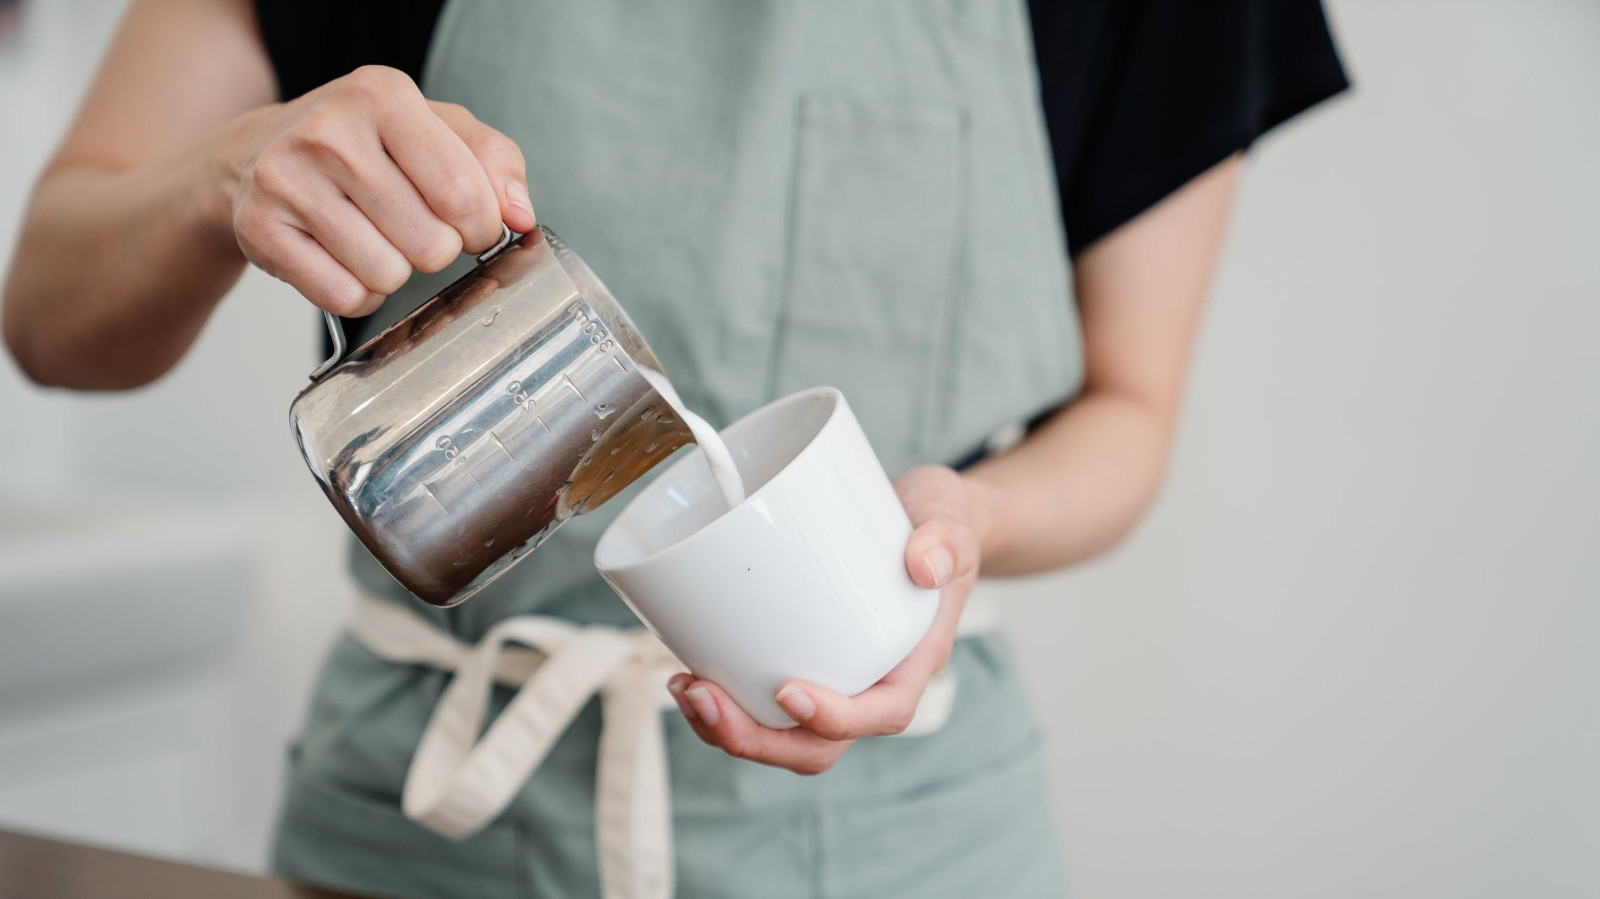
[{"x": 831, "y": 393}]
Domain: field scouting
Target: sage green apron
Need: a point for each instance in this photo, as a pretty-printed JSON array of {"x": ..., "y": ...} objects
[{"x": 782, "y": 194}]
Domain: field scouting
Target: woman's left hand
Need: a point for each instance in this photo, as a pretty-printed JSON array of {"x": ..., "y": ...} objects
[{"x": 943, "y": 553}]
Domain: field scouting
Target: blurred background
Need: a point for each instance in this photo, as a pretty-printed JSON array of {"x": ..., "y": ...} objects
[{"x": 1350, "y": 652}]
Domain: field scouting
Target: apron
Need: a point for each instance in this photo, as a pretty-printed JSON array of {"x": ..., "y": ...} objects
[{"x": 782, "y": 194}]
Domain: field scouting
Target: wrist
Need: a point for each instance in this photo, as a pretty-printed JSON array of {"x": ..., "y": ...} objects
[
  {"x": 219, "y": 170},
  {"x": 988, "y": 519}
]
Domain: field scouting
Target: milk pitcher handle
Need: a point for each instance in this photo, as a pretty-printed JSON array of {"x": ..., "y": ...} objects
[{"x": 336, "y": 330}]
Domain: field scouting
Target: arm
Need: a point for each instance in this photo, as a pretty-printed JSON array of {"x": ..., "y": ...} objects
[
  {"x": 1069, "y": 491},
  {"x": 123, "y": 250},
  {"x": 1081, "y": 480},
  {"x": 181, "y": 168}
]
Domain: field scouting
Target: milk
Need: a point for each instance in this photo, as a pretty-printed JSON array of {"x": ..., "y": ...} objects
[{"x": 711, "y": 446}]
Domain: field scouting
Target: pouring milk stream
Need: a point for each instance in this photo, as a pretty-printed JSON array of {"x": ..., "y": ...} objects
[{"x": 716, "y": 452}]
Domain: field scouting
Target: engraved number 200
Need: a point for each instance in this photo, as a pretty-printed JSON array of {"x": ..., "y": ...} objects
[{"x": 520, "y": 396}]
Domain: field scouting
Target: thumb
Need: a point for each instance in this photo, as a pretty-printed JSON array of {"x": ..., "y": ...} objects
[
  {"x": 502, "y": 161},
  {"x": 940, "y": 551}
]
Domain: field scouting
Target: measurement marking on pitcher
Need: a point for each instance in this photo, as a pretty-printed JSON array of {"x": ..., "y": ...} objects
[
  {"x": 568, "y": 378},
  {"x": 521, "y": 397},
  {"x": 452, "y": 452},
  {"x": 429, "y": 488},
  {"x": 540, "y": 420},
  {"x": 502, "y": 445},
  {"x": 620, "y": 364}
]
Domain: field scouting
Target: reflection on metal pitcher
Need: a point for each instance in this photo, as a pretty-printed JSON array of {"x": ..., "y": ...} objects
[{"x": 454, "y": 442}]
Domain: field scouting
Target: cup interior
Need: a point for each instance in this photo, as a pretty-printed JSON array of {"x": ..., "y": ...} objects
[{"x": 684, "y": 499}]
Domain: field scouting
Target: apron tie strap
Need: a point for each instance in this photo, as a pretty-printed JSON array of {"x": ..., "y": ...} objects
[
  {"x": 633, "y": 807},
  {"x": 459, "y": 782},
  {"x": 462, "y": 777}
]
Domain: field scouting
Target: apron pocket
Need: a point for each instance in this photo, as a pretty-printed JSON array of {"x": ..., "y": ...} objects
[{"x": 875, "y": 242}]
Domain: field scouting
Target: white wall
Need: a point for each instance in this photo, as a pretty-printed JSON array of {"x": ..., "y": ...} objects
[
  {"x": 1345, "y": 654},
  {"x": 178, "y": 751}
]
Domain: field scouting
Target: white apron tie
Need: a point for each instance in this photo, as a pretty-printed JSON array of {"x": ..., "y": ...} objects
[{"x": 458, "y": 782}]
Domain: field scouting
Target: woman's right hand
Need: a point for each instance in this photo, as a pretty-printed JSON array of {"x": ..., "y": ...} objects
[{"x": 344, "y": 191}]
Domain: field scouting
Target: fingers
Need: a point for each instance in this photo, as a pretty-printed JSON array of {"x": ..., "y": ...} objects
[
  {"x": 718, "y": 721},
  {"x": 385, "y": 196},
  {"x": 299, "y": 227},
  {"x": 944, "y": 548},
  {"x": 941, "y": 551},
  {"x": 288, "y": 253},
  {"x": 932, "y": 491},
  {"x": 884, "y": 709},
  {"x": 368, "y": 180},
  {"x": 346, "y": 233},
  {"x": 887, "y": 707},
  {"x": 501, "y": 159},
  {"x": 436, "y": 160}
]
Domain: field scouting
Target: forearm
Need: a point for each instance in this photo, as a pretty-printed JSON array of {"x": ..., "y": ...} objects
[
  {"x": 1080, "y": 481},
  {"x": 117, "y": 270},
  {"x": 1074, "y": 487}
]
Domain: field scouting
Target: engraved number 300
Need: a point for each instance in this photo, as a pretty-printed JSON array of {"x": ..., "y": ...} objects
[{"x": 594, "y": 328}]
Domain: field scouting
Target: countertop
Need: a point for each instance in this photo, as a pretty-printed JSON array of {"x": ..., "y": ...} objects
[{"x": 38, "y": 868}]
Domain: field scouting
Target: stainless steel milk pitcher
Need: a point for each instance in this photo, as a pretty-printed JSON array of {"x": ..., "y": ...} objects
[{"x": 458, "y": 439}]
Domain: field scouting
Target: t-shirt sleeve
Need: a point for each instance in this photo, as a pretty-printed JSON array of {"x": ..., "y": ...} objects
[
  {"x": 312, "y": 42},
  {"x": 1140, "y": 96}
]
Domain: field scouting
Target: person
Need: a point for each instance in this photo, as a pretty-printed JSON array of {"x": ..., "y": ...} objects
[{"x": 992, "y": 224}]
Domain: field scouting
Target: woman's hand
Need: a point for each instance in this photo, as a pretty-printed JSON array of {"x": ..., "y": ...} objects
[
  {"x": 182, "y": 167},
  {"x": 943, "y": 553},
  {"x": 346, "y": 190}
]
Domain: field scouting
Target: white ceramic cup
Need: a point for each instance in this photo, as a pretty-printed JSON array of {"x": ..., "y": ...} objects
[{"x": 804, "y": 580}]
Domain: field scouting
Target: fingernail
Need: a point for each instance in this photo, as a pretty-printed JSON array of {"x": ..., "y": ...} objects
[
  {"x": 704, "y": 705},
  {"x": 517, "y": 193},
  {"x": 676, "y": 686},
  {"x": 683, "y": 704},
  {"x": 939, "y": 562},
  {"x": 795, "y": 701}
]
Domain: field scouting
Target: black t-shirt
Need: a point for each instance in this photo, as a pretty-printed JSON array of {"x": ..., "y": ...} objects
[{"x": 1139, "y": 96}]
